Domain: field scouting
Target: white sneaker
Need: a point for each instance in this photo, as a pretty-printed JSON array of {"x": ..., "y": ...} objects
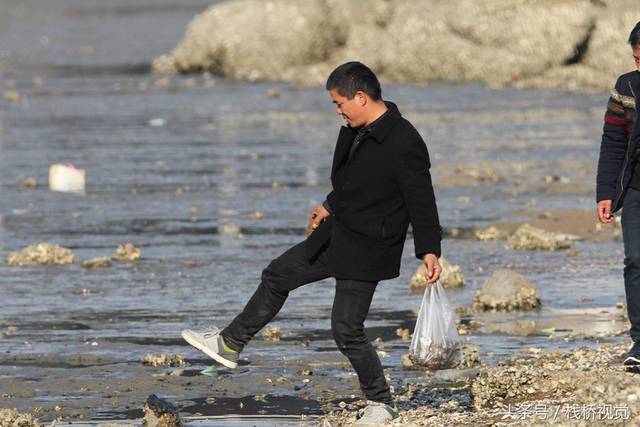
[
  {"x": 210, "y": 342},
  {"x": 376, "y": 413}
]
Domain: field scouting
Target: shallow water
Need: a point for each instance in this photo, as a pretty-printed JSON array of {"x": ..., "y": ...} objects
[{"x": 228, "y": 149}]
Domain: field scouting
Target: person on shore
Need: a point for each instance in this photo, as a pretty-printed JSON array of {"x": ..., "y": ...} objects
[
  {"x": 381, "y": 183},
  {"x": 618, "y": 183}
]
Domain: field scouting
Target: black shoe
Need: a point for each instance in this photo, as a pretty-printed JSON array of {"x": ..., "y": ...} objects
[{"x": 633, "y": 355}]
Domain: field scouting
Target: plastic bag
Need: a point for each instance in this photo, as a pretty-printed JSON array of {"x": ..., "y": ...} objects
[{"x": 435, "y": 343}]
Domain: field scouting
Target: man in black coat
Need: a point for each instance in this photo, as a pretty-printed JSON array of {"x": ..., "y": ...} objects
[
  {"x": 618, "y": 183},
  {"x": 381, "y": 183}
]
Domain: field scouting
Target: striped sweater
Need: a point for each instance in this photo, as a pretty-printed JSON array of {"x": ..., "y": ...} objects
[{"x": 619, "y": 145}]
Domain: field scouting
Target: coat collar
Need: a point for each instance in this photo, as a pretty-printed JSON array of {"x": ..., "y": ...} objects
[{"x": 382, "y": 126}]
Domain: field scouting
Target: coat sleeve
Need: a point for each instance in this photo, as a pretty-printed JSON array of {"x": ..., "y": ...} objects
[
  {"x": 330, "y": 202},
  {"x": 613, "y": 146},
  {"x": 414, "y": 181}
]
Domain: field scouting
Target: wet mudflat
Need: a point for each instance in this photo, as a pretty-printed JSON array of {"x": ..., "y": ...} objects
[{"x": 180, "y": 167}]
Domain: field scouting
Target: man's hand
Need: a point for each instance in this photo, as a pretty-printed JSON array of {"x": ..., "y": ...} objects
[
  {"x": 433, "y": 268},
  {"x": 604, "y": 211},
  {"x": 317, "y": 215}
]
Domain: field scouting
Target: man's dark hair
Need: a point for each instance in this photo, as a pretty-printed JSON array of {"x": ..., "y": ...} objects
[
  {"x": 352, "y": 77},
  {"x": 634, "y": 37}
]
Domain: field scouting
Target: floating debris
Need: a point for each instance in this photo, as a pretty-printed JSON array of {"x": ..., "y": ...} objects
[
  {"x": 506, "y": 290},
  {"x": 211, "y": 371},
  {"x": 528, "y": 238},
  {"x": 41, "y": 254},
  {"x": 100, "y": 262},
  {"x": 163, "y": 360},
  {"x": 66, "y": 179},
  {"x": 127, "y": 253}
]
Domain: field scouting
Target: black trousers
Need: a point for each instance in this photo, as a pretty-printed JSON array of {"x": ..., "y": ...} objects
[
  {"x": 350, "y": 307},
  {"x": 631, "y": 236}
]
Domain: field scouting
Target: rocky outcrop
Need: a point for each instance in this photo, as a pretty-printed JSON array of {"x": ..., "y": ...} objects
[
  {"x": 506, "y": 290},
  {"x": 569, "y": 44}
]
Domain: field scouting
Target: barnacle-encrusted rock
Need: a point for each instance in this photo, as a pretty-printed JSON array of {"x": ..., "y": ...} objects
[
  {"x": 163, "y": 360},
  {"x": 100, "y": 262},
  {"x": 160, "y": 413},
  {"x": 274, "y": 333},
  {"x": 490, "y": 233},
  {"x": 470, "y": 356},
  {"x": 12, "y": 418},
  {"x": 41, "y": 254},
  {"x": 128, "y": 253},
  {"x": 528, "y": 238},
  {"x": 578, "y": 375},
  {"x": 506, "y": 290}
]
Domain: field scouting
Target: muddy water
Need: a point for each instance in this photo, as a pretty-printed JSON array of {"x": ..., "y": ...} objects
[{"x": 229, "y": 149}]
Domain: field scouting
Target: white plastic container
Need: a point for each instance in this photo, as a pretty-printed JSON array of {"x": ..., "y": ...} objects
[{"x": 66, "y": 179}]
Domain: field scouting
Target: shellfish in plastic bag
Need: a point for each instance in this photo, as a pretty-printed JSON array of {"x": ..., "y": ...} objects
[{"x": 435, "y": 343}]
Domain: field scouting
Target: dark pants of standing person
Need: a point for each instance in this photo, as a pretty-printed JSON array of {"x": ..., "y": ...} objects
[
  {"x": 350, "y": 307},
  {"x": 631, "y": 236}
]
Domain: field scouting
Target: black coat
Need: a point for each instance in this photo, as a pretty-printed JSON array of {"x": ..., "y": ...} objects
[
  {"x": 620, "y": 146},
  {"x": 377, "y": 191}
]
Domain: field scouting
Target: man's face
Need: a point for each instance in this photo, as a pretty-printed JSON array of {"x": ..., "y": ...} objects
[
  {"x": 351, "y": 110},
  {"x": 636, "y": 55}
]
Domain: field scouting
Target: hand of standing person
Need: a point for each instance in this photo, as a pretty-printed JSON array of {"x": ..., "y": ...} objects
[
  {"x": 433, "y": 268},
  {"x": 317, "y": 215},
  {"x": 604, "y": 211}
]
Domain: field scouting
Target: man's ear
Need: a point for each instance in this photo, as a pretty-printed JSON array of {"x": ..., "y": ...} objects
[{"x": 362, "y": 98}]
